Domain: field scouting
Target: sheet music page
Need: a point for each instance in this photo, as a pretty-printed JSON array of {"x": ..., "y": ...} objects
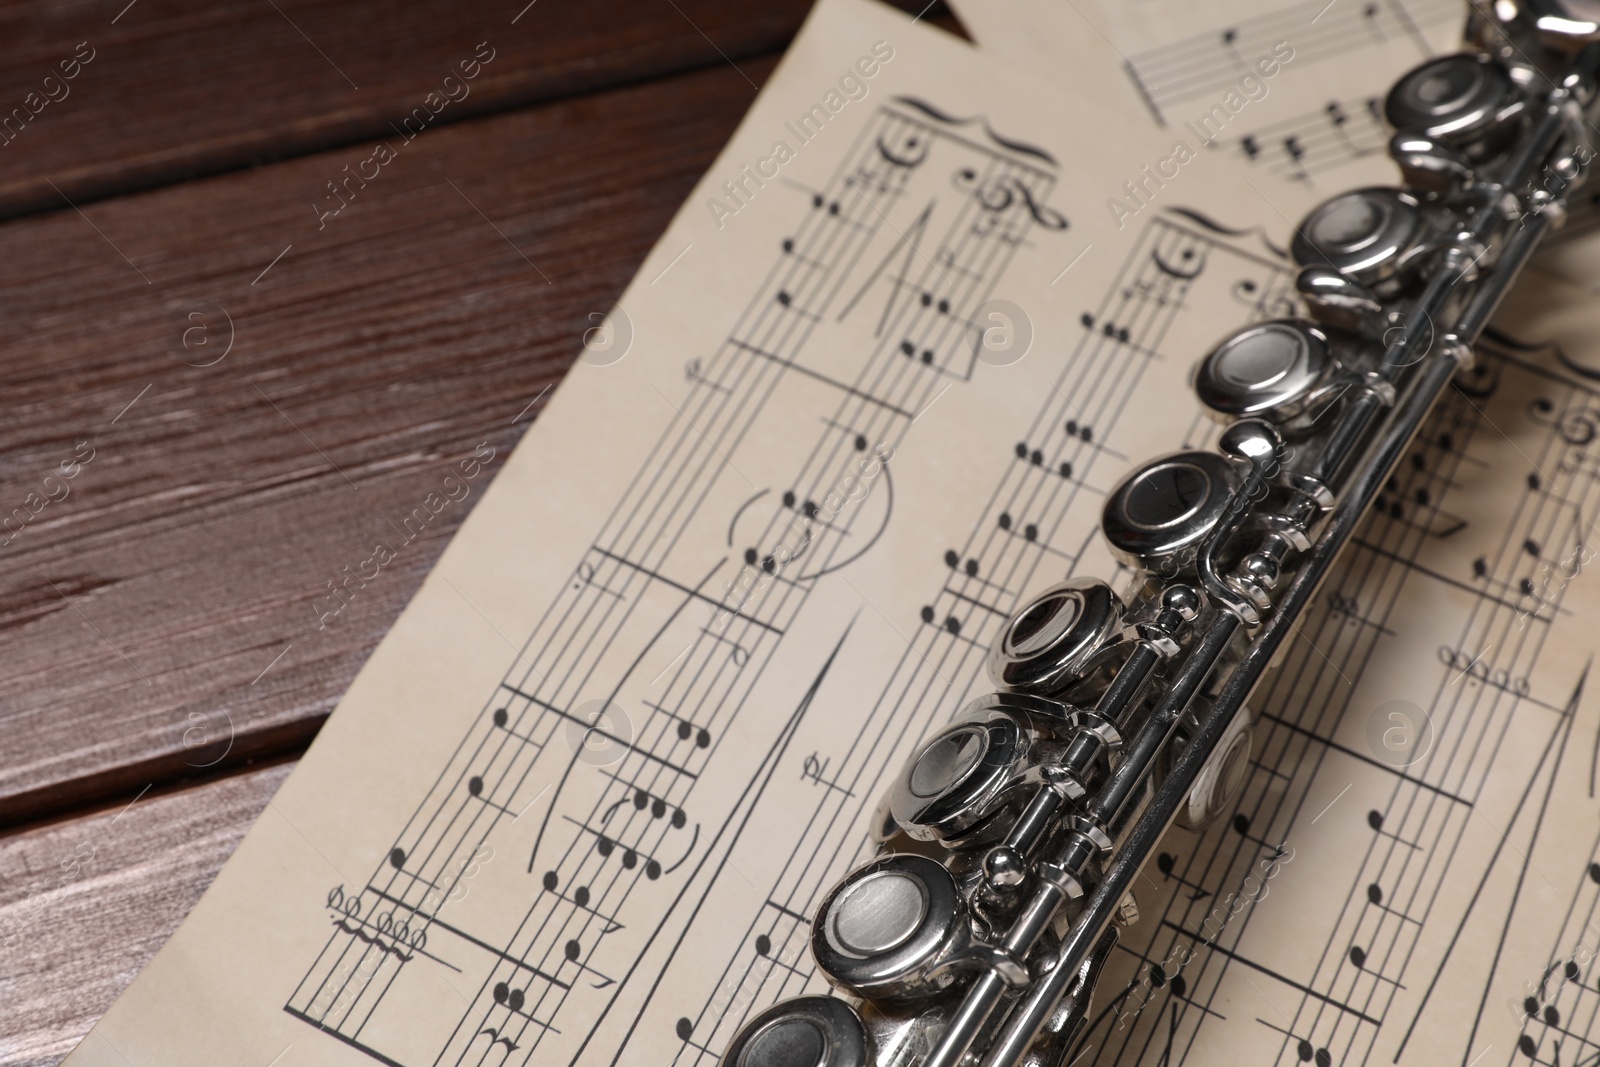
[
  {"x": 866, "y": 395},
  {"x": 1576, "y": 258},
  {"x": 1198, "y": 69}
]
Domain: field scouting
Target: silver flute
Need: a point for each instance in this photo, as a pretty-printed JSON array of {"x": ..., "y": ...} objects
[{"x": 1009, "y": 842}]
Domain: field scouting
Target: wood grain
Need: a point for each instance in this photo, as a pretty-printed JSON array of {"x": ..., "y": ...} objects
[
  {"x": 86, "y": 902},
  {"x": 160, "y": 620},
  {"x": 177, "y": 89},
  {"x": 159, "y": 614}
]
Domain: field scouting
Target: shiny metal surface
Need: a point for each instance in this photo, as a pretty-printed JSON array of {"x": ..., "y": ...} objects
[
  {"x": 1453, "y": 98},
  {"x": 1158, "y": 515},
  {"x": 945, "y": 789},
  {"x": 804, "y": 1032},
  {"x": 890, "y": 929},
  {"x": 1273, "y": 370},
  {"x": 1366, "y": 235},
  {"x": 1052, "y": 641},
  {"x": 1119, "y": 715}
]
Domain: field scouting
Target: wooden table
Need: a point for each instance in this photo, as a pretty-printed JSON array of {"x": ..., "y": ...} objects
[{"x": 241, "y": 339}]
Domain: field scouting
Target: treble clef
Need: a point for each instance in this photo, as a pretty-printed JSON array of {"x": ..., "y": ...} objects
[
  {"x": 995, "y": 196},
  {"x": 992, "y": 194},
  {"x": 999, "y": 194},
  {"x": 1043, "y": 214},
  {"x": 1575, "y": 424}
]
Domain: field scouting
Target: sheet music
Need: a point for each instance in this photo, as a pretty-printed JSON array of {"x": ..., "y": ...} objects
[
  {"x": 1195, "y": 70},
  {"x": 864, "y": 396},
  {"x": 1421, "y": 801}
]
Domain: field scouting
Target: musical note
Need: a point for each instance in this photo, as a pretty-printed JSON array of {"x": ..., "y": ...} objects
[
  {"x": 1166, "y": 863},
  {"x": 813, "y": 770},
  {"x": 1205, "y": 64},
  {"x": 1313, "y": 142},
  {"x": 923, "y": 286}
]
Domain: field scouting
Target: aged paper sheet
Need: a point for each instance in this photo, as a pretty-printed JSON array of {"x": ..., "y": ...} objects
[
  {"x": 1197, "y": 69},
  {"x": 865, "y": 395}
]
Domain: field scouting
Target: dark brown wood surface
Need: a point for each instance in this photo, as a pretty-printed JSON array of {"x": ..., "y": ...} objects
[
  {"x": 85, "y": 903},
  {"x": 177, "y": 89},
  {"x": 249, "y": 393},
  {"x": 192, "y": 549}
]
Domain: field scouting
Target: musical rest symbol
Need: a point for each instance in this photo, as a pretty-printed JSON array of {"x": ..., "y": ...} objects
[{"x": 498, "y": 1039}]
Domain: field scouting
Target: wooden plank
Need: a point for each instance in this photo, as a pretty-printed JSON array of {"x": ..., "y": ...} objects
[
  {"x": 85, "y": 903},
  {"x": 162, "y": 617},
  {"x": 171, "y": 89}
]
